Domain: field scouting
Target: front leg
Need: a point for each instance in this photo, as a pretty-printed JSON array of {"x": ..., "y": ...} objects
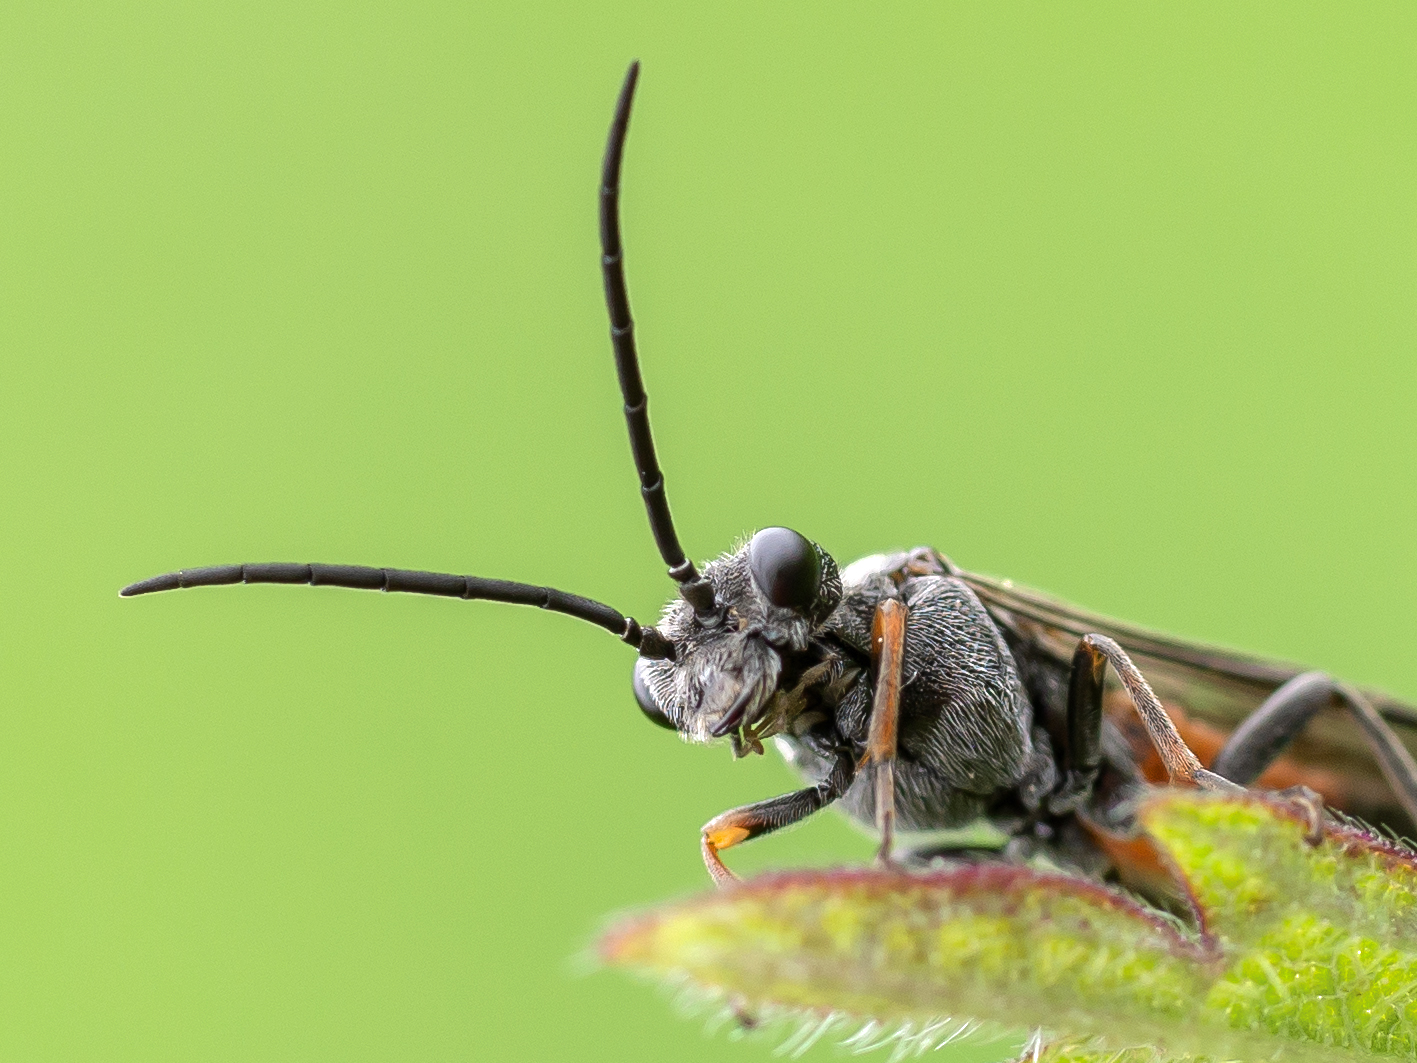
[{"x": 740, "y": 824}]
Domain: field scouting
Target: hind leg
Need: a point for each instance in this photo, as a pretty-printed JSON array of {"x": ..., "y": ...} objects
[{"x": 1259, "y": 741}]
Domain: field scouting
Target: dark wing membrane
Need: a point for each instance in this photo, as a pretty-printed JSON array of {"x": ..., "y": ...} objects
[{"x": 1217, "y": 686}]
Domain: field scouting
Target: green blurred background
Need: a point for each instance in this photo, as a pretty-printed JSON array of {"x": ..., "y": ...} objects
[{"x": 1112, "y": 298}]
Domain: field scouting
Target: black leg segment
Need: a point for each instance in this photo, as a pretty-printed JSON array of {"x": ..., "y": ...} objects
[
  {"x": 1082, "y": 752},
  {"x": 1260, "y": 740},
  {"x": 741, "y": 824}
]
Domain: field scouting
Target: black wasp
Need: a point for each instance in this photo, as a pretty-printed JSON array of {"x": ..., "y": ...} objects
[{"x": 919, "y": 696}]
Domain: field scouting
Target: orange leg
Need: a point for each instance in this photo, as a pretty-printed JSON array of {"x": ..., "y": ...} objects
[{"x": 887, "y": 652}]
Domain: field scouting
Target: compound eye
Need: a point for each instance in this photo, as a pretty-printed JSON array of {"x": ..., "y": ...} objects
[
  {"x": 785, "y": 567},
  {"x": 648, "y": 705}
]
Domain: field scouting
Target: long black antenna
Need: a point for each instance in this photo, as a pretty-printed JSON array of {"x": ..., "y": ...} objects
[
  {"x": 696, "y": 590},
  {"x": 647, "y": 640}
]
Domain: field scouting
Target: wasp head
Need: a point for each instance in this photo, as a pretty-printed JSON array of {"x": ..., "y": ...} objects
[{"x": 772, "y": 593}]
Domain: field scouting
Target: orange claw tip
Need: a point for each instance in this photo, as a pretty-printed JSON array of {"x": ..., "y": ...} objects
[{"x": 727, "y": 837}]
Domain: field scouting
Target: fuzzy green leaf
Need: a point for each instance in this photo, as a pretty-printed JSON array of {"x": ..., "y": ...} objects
[{"x": 1300, "y": 949}]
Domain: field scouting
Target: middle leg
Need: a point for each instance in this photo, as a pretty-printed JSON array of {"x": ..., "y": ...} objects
[
  {"x": 888, "y": 652},
  {"x": 1083, "y": 745}
]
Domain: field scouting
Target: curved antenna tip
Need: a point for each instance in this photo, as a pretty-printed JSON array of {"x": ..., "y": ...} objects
[{"x": 166, "y": 582}]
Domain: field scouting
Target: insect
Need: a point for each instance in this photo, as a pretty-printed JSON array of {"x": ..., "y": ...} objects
[{"x": 918, "y": 696}]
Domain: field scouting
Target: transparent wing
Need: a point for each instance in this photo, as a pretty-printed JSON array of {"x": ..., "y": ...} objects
[{"x": 1213, "y": 689}]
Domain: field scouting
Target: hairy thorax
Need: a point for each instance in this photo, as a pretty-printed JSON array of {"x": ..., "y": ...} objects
[{"x": 966, "y": 725}]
